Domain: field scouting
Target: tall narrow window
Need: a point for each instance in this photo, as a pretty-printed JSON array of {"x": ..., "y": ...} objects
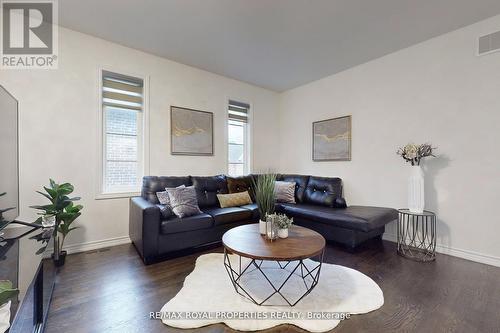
[
  {"x": 123, "y": 112},
  {"x": 238, "y": 148}
]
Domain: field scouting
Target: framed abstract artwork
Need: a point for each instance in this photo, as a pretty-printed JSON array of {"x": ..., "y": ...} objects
[
  {"x": 332, "y": 139},
  {"x": 191, "y": 132}
]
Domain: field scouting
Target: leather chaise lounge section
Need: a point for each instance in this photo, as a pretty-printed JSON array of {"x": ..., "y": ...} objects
[{"x": 319, "y": 206}]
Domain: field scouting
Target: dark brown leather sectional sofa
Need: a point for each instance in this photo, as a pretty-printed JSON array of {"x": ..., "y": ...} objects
[{"x": 319, "y": 206}]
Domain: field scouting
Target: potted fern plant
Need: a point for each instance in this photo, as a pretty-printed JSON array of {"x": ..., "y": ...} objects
[
  {"x": 64, "y": 212},
  {"x": 264, "y": 196},
  {"x": 283, "y": 223}
]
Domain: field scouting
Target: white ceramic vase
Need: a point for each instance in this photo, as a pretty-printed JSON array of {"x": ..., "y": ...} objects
[
  {"x": 416, "y": 196},
  {"x": 5, "y": 317},
  {"x": 282, "y": 233},
  {"x": 262, "y": 227}
]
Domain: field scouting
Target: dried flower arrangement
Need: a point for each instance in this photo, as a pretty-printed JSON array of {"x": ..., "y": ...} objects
[{"x": 413, "y": 153}]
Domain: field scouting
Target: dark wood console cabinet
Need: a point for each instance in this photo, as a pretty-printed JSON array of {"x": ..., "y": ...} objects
[{"x": 25, "y": 259}]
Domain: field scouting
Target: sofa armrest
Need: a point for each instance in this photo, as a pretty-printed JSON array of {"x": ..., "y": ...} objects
[{"x": 144, "y": 227}]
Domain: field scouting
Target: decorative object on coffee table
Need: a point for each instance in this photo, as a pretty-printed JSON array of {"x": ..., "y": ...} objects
[
  {"x": 271, "y": 228},
  {"x": 290, "y": 255},
  {"x": 63, "y": 210},
  {"x": 191, "y": 132},
  {"x": 282, "y": 223},
  {"x": 332, "y": 139},
  {"x": 264, "y": 186},
  {"x": 417, "y": 235},
  {"x": 413, "y": 154}
]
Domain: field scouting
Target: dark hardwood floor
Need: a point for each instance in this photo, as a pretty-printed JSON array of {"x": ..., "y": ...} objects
[{"x": 111, "y": 290}]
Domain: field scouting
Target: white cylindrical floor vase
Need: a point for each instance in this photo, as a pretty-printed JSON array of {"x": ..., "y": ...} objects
[{"x": 416, "y": 198}]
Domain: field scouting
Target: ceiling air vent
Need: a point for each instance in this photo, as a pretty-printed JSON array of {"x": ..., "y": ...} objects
[{"x": 489, "y": 43}]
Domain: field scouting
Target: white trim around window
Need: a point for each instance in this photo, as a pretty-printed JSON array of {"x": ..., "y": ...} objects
[
  {"x": 248, "y": 142},
  {"x": 144, "y": 138}
]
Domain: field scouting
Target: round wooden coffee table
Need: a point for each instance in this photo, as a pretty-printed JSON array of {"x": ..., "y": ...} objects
[{"x": 289, "y": 254}]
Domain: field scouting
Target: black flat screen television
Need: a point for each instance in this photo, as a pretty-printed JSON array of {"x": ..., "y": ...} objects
[{"x": 9, "y": 158}]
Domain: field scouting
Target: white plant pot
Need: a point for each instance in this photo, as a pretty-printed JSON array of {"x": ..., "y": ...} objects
[
  {"x": 5, "y": 317},
  {"x": 262, "y": 227},
  {"x": 416, "y": 198},
  {"x": 282, "y": 233}
]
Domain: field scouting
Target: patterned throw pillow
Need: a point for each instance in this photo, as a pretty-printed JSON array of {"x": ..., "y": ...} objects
[
  {"x": 234, "y": 199},
  {"x": 163, "y": 197},
  {"x": 285, "y": 192},
  {"x": 183, "y": 201}
]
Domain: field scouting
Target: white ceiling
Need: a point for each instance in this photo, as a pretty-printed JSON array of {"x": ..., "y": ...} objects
[{"x": 275, "y": 44}]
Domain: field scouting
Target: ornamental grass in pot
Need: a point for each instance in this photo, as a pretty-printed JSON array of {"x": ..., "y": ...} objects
[{"x": 264, "y": 197}]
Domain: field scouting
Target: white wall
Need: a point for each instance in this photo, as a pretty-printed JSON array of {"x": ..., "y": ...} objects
[
  {"x": 59, "y": 132},
  {"x": 439, "y": 92}
]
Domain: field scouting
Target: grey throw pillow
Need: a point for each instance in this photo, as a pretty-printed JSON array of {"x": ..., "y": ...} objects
[
  {"x": 285, "y": 192},
  {"x": 183, "y": 201}
]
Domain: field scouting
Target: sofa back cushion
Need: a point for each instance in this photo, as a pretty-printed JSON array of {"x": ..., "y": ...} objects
[
  {"x": 241, "y": 184},
  {"x": 207, "y": 189},
  {"x": 153, "y": 184},
  {"x": 323, "y": 191},
  {"x": 300, "y": 185}
]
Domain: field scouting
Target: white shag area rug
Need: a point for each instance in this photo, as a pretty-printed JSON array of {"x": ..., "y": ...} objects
[{"x": 208, "y": 297}]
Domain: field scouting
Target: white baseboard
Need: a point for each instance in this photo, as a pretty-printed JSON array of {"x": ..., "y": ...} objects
[
  {"x": 94, "y": 245},
  {"x": 464, "y": 254}
]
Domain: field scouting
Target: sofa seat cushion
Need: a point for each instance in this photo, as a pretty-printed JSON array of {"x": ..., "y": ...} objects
[
  {"x": 254, "y": 209},
  {"x": 228, "y": 215},
  {"x": 195, "y": 222},
  {"x": 362, "y": 218}
]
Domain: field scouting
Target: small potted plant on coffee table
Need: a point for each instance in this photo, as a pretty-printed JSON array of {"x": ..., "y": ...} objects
[{"x": 283, "y": 222}]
